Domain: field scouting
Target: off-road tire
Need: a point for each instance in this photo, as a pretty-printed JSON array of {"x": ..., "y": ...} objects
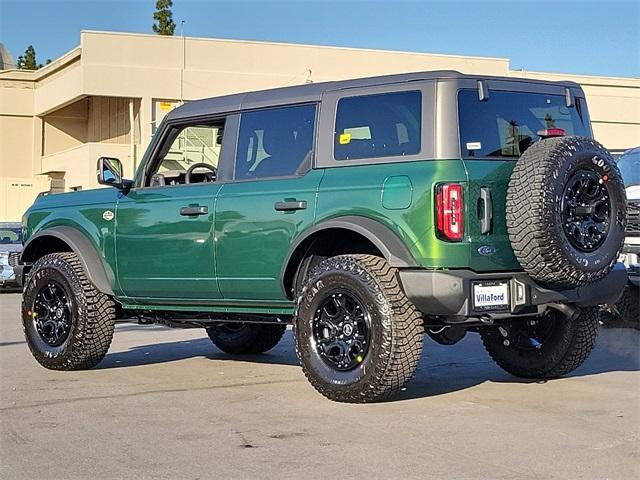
[
  {"x": 92, "y": 319},
  {"x": 628, "y": 307},
  {"x": 396, "y": 329},
  {"x": 247, "y": 338},
  {"x": 534, "y": 217},
  {"x": 625, "y": 313},
  {"x": 572, "y": 342}
]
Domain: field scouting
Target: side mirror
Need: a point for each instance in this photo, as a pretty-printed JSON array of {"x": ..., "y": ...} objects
[{"x": 110, "y": 173}]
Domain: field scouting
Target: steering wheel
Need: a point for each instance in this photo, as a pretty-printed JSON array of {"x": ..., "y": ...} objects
[{"x": 209, "y": 177}]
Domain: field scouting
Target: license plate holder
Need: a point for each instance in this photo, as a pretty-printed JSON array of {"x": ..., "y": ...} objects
[{"x": 490, "y": 295}]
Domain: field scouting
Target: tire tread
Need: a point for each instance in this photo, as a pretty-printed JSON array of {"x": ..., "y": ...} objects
[
  {"x": 98, "y": 324},
  {"x": 404, "y": 342}
]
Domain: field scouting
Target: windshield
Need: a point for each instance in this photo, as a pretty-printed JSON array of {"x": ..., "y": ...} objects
[
  {"x": 508, "y": 122},
  {"x": 10, "y": 235},
  {"x": 629, "y": 165}
]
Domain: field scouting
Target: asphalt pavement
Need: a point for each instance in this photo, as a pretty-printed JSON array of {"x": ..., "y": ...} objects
[{"x": 166, "y": 404}]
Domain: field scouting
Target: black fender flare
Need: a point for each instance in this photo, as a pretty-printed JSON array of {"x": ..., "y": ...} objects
[
  {"x": 386, "y": 240},
  {"x": 99, "y": 273}
]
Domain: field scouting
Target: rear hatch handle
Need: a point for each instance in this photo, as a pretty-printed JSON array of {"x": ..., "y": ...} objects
[{"x": 487, "y": 210}]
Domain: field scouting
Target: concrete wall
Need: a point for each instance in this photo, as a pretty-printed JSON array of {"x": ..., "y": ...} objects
[
  {"x": 79, "y": 163},
  {"x": 18, "y": 193},
  {"x": 65, "y": 128},
  {"x": 108, "y": 120},
  {"x": 16, "y": 144}
]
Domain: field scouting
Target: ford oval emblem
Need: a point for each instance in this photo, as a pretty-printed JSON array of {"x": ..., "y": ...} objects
[{"x": 486, "y": 250}]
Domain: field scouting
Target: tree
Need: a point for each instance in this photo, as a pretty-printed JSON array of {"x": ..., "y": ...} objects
[
  {"x": 28, "y": 60},
  {"x": 163, "y": 24}
]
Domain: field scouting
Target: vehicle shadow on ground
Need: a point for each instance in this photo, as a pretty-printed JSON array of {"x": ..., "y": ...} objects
[
  {"x": 442, "y": 369},
  {"x": 447, "y": 369},
  {"x": 283, "y": 354}
]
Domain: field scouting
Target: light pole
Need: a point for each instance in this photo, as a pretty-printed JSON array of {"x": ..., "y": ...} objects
[{"x": 184, "y": 55}]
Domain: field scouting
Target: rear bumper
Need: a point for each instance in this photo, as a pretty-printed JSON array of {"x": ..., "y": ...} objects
[{"x": 449, "y": 292}]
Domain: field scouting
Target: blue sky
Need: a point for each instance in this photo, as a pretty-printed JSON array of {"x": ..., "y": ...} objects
[{"x": 583, "y": 37}]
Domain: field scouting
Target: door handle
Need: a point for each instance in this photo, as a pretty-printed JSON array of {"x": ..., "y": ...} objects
[
  {"x": 485, "y": 221},
  {"x": 290, "y": 205},
  {"x": 194, "y": 211}
]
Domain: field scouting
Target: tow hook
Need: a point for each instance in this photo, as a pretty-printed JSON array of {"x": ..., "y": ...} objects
[{"x": 505, "y": 334}]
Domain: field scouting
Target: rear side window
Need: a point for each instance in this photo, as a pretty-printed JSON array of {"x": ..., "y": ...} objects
[
  {"x": 381, "y": 125},
  {"x": 508, "y": 122},
  {"x": 274, "y": 142}
]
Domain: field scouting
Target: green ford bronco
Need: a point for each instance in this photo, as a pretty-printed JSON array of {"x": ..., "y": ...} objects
[{"x": 365, "y": 213}]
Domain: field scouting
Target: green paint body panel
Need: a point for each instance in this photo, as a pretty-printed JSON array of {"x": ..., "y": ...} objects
[
  {"x": 231, "y": 259},
  {"x": 253, "y": 239},
  {"x": 160, "y": 252},
  {"x": 82, "y": 211},
  {"x": 357, "y": 191},
  {"x": 494, "y": 175}
]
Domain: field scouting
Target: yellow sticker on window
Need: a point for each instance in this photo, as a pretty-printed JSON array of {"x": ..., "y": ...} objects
[
  {"x": 345, "y": 138},
  {"x": 165, "y": 106}
]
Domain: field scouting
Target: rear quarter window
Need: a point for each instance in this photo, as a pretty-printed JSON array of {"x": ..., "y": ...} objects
[
  {"x": 379, "y": 125},
  {"x": 508, "y": 122}
]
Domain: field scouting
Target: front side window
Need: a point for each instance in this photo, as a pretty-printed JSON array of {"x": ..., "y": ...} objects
[
  {"x": 190, "y": 156},
  {"x": 508, "y": 123},
  {"x": 381, "y": 125},
  {"x": 275, "y": 142}
]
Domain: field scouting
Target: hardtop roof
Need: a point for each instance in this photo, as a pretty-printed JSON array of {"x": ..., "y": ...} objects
[{"x": 312, "y": 92}]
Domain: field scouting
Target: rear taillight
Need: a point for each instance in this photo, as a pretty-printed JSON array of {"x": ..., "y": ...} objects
[{"x": 449, "y": 212}]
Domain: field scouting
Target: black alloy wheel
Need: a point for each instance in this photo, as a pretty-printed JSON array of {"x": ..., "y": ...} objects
[
  {"x": 52, "y": 313},
  {"x": 586, "y": 210},
  {"x": 341, "y": 330}
]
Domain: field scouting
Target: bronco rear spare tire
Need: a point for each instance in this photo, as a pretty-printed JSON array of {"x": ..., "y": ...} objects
[{"x": 566, "y": 211}]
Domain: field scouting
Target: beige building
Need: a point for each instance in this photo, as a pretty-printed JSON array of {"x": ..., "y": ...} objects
[{"x": 106, "y": 97}]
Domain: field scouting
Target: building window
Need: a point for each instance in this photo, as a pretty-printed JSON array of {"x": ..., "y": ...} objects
[{"x": 382, "y": 125}]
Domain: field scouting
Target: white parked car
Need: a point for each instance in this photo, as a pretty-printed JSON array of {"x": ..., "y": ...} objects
[
  {"x": 626, "y": 310},
  {"x": 10, "y": 249}
]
